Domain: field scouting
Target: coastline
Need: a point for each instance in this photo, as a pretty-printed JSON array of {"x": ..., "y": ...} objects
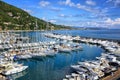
[
  {"x": 20, "y": 30},
  {"x": 105, "y": 44},
  {"x": 114, "y": 40}
]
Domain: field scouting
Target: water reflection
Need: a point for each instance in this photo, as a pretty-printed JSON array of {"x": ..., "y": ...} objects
[
  {"x": 18, "y": 75},
  {"x": 55, "y": 68}
]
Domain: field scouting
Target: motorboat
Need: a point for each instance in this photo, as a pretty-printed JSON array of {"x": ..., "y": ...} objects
[
  {"x": 79, "y": 68},
  {"x": 14, "y": 68}
]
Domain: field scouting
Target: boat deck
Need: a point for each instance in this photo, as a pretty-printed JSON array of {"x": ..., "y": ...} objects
[
  {"x": 2, "y": 77},
  {"x": 114, "y": 76}
]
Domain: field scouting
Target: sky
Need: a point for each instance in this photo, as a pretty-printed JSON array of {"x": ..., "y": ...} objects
[{"x": 80, "y": 13}]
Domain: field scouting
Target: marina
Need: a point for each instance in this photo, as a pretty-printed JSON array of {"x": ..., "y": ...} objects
[
  {"x": 87, "y": 70},
  {"x": 59, "y": 40},
  {"x": 21, "y": 51}
]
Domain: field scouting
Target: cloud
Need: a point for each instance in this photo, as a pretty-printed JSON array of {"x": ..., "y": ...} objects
[
  {"x": 48, "y": 5},
  {"x": 62, "y": 15},
  {"x": 97, "y": 11},
  {"x": 116, "y": 21},
  {"x": 44, "y": 3},
  {"x": 80, "y": 6},
  {"x": 52, "y": 21},
  {"x": 90, "y": 2},
  {"x": 116, "y": 3},
  {"x": 107, "y": 23},
  {"x": 65, "y": 16},
  {"x": 79, "y": 15},
  {"x": 55, "y": 9},
  {"x": 67, "y": 2},
  {"x": 44, "y": 18},
  {"x": 71, "y": 16},
  {"x": 28, "y": 11},
  {"x": 86, "y": 8},
  {"x": 89, "y": 24}
]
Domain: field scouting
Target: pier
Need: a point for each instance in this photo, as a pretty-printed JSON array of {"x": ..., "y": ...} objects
[{"x": 110, "y": 46}]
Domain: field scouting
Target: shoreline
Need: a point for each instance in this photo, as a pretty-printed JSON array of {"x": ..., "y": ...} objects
[
  {"x": 20, "y": 30},
  {"x": 105, "y": 44},
  {"x": 114, "y": 40}
]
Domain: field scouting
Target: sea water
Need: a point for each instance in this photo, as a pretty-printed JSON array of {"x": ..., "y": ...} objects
[{"x": 56, "y": 67}]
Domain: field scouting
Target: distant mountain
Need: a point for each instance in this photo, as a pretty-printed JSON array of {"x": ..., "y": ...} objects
[
  {"x": 13, "y": 18},
  {"x": 89, "y": 28}
]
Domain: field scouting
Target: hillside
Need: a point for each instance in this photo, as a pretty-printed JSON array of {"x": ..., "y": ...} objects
[{"x": 12, "y": 18}]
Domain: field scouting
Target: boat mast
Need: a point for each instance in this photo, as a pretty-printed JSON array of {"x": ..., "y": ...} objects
[
  {"x": 36, "y": 27},
  {"x": 47, "y": 26}
]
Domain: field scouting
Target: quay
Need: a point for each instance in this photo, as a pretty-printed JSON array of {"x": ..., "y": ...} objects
[
  {"x": 109, "y": 46},
  {"x": 108, "y": 63},
  {"x": 114, "y": 76}
]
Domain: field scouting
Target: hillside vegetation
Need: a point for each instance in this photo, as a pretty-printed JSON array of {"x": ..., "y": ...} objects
[{"x": 13, "y": 18}]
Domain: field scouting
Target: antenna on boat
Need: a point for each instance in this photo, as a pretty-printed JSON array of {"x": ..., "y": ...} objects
[{"x": 36, "y": 27}]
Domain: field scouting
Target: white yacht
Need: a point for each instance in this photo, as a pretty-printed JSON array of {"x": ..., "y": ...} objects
[{"x": 14, "y": 68}]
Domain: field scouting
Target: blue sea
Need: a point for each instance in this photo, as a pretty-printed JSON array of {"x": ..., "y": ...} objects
[
  {"x": 113, "y": 34},
  {"x": 55, "y": 68}
]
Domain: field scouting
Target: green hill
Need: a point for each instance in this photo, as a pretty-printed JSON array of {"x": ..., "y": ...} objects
[{"x": 12, "y": 18}]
